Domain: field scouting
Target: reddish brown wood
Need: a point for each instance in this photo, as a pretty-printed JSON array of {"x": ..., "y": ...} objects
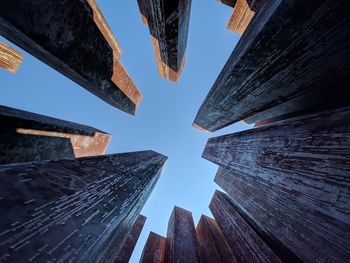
[
  {"x": 182, "y": 239},
  {"x": 245, "y": 242},
  {"x": 130, "y": 242},
  {"x": 154, "y": 250},
  {"x": 213, "y": 246},
  {"x": 10, "y": 58}
]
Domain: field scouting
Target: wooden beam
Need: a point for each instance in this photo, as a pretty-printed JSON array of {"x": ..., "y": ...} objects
[
  {"x": 241, "y": 17},
  {"x": 130, "y": 242},
  {"x": 243, "y": 239},
  {"x": 182, "y": 238},
  {"x": 154, "y": 250},
  {"x": 296, "y": 52},
  {"x": 10, "y": 58},
  {"x": 168, "y": 24},
  {"x": 213, "y": 246},
  {"x": 296, "y": 171},
  {"x": 27, "y": 137},
  {"x": 74, "y": 209},
  {"x": 73, "y": 38}
]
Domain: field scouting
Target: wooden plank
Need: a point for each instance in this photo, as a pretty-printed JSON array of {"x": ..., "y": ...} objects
[
  {"x": 213, "y": 246},
  {"x": 27, "y": 137},
  {"x": 73, "y": 38},
  {"x": 308, "y": 234},
  {"x": 182, "y": 238},
  {"x": 154, "y": 250},
  {"x": 291, "y": 49},
  {"x": 245, "y": 242},
  {"x": 301, "y": 164},
  {"x": 241, "y": 16},
  {"x": 75, "y": 209},
  {"x": 130, "y": 242},
  {"x": 168, "y": 24},
  {"x": 10, "y": 58}
]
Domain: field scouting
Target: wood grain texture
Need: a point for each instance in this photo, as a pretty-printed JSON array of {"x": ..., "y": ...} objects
[
  {"x": 181, "y": 238},
  {"x": 168, "y": 23},
  {"x": 26, "y": 137},
  {"x": 298, "y": 170},
  {"x": 241, "y": 17},
  {"x": 130, "y": 242},
  {"x": 154, "y": 250},
  {"x": 10, "y": 58},
  {"x": 291, "y": 49},
  {"x": 213, "y": 246},
  {"x": 73, "y": 38},
  {"x": 242, "y": 238},
  {"x": 77, "y": 210}
]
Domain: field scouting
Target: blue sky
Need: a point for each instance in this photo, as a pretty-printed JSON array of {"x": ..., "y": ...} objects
[{"x": 164, "y": 120}]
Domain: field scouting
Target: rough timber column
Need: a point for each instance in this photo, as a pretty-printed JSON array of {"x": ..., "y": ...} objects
[
  {"x": 26, "y": 136},
  {"x": 88, "y": 205},
  {"x": 154, "y": 250},
  {"x": 10, "y": 58},
  {"x": 246, "y": 244},
  {"x": 181, "y": 237},
  {"x": 131, "y": 240},
  {"x": 168, "y": 24},
  {"x": 293, "y": 174},
  {"x": 73, "y": 38},
  {"x": 268, "y": 67},
  {"x": 213, "y": 246}
]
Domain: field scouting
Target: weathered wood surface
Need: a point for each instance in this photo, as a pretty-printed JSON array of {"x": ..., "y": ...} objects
[
  {"x": 241, "y": 16},
  {"x": 10, "y": 58},
  {"x": 73, "y": 38},
  {"x": 26, "y": 137},
  {"x": 308, "y": 234},
  {"x": 245, "y": 242},
  {"x": 130, "y": 242},
  {"x": 154, "y": 250},
  {"x": 73, "y": 210},
  {"x": 293, "y": 175},
  {"x": 290, "y": 48},
  {"x": 168, "y": 25},
  {"x": 181, "y": 238},
  {"x": 213, "y": 246}
]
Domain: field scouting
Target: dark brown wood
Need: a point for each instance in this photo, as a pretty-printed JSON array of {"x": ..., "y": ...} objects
[
  {"x": 154, "y": 250},
  {"x": 181, "y": 237},
  {"x": 213, "y": 246},
  {"x": 26, "y": 137},
  {"x": 72, "y": 37},
  {"x": 293, "y": 175},
  {"x": 293, "y": 228},
  {"x": 231, "y": 3},
  {"x": 130, "y": 242},
  {"x": 292, "y": 51},
  {"x": 245, "y": 242},
  {"x": 168, "y": 24},
  {"x": 78, "y": 210}
]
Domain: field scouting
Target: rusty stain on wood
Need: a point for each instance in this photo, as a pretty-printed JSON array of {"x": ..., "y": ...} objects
[
  {"x": 154, "y": 250},
  {"x": 130, "y": 242},
  {"x": 10, "y": 58},
  {"x": 168, "y": 24},
  {"x": 213, "y": 246},
  {"x": 27, "y": 136},
  {"x": 73, "y": 38},
  {"x": 243, "y": 240},
  {"x": 182, "y": 244}
]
